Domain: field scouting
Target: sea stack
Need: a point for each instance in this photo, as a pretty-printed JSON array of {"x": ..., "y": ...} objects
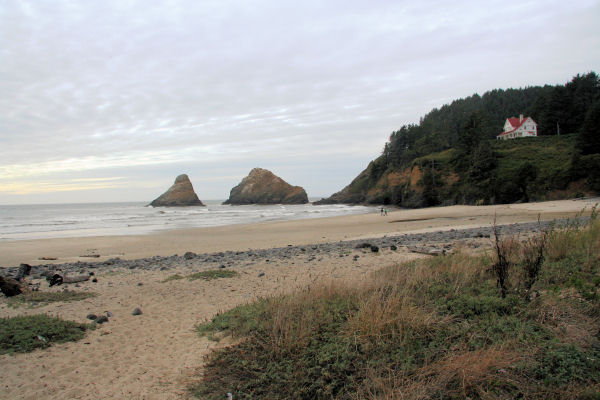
[
  {"x": 263, "y": 187},
  {"x": 181, "y": 194}
]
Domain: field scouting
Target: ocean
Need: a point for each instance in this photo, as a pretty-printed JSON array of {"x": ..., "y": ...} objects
[{"x": 41, "y": 221}]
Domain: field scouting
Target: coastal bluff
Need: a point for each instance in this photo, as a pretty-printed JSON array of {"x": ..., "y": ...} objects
[
  {"x": 263, "y": 187},
  {"x": 180, "y": 194}
]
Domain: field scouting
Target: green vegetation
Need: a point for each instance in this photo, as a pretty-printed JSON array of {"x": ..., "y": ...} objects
[
  {"x": 26, "y": 333},
  {"x": 206, "y": 275},
  {"x": 212, "y": 274},
  {"x": 36, "y": 299},
  {"x": 435, "y": 328},
  {"x": 458, "y": 159},
  {"x": 175, "y": 277}
]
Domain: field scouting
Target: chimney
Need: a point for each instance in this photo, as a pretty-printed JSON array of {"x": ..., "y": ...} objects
[{"x": 520, "y": 118}]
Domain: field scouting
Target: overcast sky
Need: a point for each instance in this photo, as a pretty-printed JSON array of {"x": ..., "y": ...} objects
[{"x": 111, "y": 100}]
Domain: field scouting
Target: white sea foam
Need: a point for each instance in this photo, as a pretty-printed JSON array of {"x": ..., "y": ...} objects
[{"x": 20, "y": 222}]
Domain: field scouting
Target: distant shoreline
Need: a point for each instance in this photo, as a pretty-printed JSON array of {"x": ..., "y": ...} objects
[
  {"x": 32, "y": 222},
  {"x": 281, "y": 233}
]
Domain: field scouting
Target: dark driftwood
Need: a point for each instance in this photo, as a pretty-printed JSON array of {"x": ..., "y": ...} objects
[
  {"x": 24, "y": 270},
  {"x": 11, "y": 287}
]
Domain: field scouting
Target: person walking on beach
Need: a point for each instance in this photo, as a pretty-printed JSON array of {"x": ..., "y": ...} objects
[
  {"x": 382, "y": 211},
  {"x": 385, "y": 212}
]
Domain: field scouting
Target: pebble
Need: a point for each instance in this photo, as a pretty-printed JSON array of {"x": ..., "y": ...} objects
[{"x": 136, "y": 311}]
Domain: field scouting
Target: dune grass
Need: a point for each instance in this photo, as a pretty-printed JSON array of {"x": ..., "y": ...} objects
[
  {"x": 23, "y": 334},
  {"x": 435, "y": 328},
  {"x": 38, "y": 299},
  {"x": 206, "y": 275}
]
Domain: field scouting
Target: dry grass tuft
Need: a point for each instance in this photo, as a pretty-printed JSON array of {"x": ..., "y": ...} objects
[{"x": 459, "y": 375}]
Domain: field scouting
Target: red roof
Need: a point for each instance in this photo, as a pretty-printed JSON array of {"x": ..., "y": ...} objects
[{"x": 516, "y": 124}]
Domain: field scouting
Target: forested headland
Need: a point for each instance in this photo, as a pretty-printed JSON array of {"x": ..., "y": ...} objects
[{"x": 453, "y": 157}]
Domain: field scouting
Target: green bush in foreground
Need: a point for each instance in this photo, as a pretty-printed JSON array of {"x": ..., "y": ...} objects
[
  {"x": 34, "y": 299},
  {"x": 26, "y": 333},
  {"x": 436, "y": 328}
]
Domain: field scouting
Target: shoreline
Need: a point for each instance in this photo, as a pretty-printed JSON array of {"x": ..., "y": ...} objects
[
  {"x": 158, "y": 354},
  {"x": 434, "y": 242},
  {"x": 274, "y": 234}
]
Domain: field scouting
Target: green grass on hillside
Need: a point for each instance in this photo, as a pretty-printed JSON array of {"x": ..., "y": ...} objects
[
  {"x": 435, "y": 328},
  {"x": 551, "y": 155},
  {"x": 26, "y": 333},
  {"x": 441, "y": 158}
]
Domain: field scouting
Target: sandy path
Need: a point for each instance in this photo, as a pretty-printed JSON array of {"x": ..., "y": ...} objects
[{"x": 157, "y": 354}]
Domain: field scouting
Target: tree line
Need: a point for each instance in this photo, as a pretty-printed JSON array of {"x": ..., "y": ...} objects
[
  {"x": 560, "y": 109},
  {"x": 484, "y": 170}
]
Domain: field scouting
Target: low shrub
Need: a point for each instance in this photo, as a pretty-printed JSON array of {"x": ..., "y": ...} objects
[
  {"x": 562, "y": 364},
  {"x": 35, "y": 299},
  {"x": 206, "y": 275},
  {"x": 212, "y": 274},
  {"x": 26, "y": 333}
]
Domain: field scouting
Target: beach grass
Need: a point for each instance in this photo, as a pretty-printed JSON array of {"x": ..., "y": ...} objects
[
  {"x": 206, "y": 275},
  {"x": 212, "y": 274},
  {"x": 435, "y": 328},
  {"x": 23, "y": 334},
  {"x": 175, "y": 277},
  {"x": 38, "y": 299}
]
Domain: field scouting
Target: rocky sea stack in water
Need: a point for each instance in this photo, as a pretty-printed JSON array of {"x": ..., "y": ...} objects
[
  {"x": 263, "y": 187},
  {"x": 181, "y": 194}
]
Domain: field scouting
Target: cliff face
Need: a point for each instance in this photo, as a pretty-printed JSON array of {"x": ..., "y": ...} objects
[
  {"x": 388, "y": 188},
  {"x": 523, "y": 170},
  {"x": 263, "y": 187},
  {"x": 179, "y": 195}
]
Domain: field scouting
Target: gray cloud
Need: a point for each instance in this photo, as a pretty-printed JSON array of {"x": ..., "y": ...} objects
[{"x": 141, "y": 90}]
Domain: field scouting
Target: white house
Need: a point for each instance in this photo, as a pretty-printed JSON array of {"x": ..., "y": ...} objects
[{"x": 518, "y": 127}]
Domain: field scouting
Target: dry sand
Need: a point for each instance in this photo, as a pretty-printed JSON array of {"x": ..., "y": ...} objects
[{"x": 157, "y": 354}]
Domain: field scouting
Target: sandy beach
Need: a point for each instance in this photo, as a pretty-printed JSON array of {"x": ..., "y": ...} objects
[
  {"x": 156, "y": 355},
  {"x": 277, "y": 234}
]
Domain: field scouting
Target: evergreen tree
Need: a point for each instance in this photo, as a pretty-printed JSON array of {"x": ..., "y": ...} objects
[
  {"x": 525, "y": 176},
  {"x": 588, "y": 140}
]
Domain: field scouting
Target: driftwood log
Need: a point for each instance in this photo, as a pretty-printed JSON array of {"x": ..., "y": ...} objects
[
  {"x": 57, "y": 278},
  {"x": 17, "y": 285},
  {"x": 76, "y": 278},
  {"x": 24, "y": 270},
  {"x": 432, "y": 251},
  {"x": 11, "y": 287}
]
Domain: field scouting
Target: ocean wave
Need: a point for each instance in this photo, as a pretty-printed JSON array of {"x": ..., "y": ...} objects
[{"x": 29, "y": 222}]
